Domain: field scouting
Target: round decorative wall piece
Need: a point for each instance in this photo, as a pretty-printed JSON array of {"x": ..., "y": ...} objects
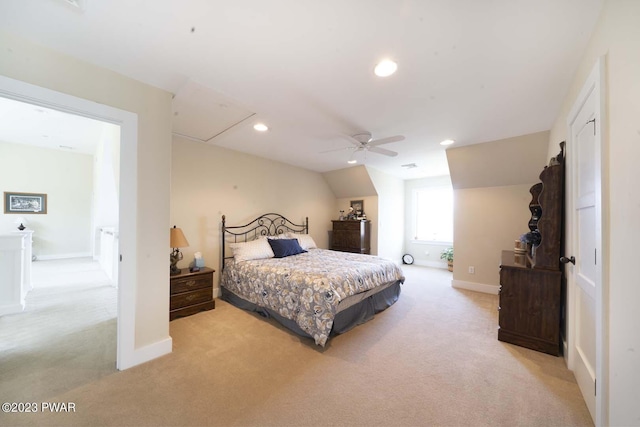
[{"x": 407, "y": 259}]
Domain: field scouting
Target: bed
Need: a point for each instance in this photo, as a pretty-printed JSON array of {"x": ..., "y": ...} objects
[{"x": 273, "y": 267}]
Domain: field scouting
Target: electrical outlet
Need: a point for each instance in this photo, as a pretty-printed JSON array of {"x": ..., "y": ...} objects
[
  {"x": 426, "y": 253},
  {"x": 472, "y": 270}
]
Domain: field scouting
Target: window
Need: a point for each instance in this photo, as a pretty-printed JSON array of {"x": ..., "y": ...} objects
[{"x": 433, "y": 214}]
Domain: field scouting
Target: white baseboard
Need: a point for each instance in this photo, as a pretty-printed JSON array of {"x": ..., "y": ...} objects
[
  {"x": 11, "y": 308},
  {"x": 478, "y": 287},
  {"x": 147, "y": 353},
  {"x": 63, "y": 256},
  {"x": 432, "y": 264}
]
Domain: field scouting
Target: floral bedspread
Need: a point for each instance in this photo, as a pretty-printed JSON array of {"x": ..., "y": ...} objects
[{"x": 307, "y": 288}]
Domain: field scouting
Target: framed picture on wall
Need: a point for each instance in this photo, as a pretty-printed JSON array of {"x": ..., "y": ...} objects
[
  {"x": 358, "y": 207},
  {"x": 25, "y": 203}
]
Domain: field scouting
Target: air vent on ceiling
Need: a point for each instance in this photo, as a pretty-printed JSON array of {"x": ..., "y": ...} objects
[{"x": 410, "y": 166}]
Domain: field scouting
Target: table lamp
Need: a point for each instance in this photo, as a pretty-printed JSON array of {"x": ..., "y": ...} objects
[{"x": 177, "y": 240}]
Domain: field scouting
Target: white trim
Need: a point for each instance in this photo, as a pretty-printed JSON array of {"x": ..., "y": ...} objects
[
  {"x": 11, "y": 308},
  {"x": 148, "y": 352},
  {"x": 127, "y": 355},
  {"x": 478, "y": 287},
  {"x": 431, "y": 242},
  {"x": 63, "y": 256},
  {"x": 594, "y": 84}
]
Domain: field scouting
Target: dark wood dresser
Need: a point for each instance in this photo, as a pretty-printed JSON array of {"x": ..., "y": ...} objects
[
  {"x": 352, "y": 236},
  {"x": 191, "y": 292}
]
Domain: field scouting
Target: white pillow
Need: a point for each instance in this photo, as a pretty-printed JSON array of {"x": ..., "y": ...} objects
[
  {"x": 254, "y": 249},
  {"x": 306, "y": 242}
]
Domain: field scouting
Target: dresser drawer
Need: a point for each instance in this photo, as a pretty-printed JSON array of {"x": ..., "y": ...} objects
[
  {"x": 190, "y": 283},
  {"x": 191, "y": 298},
  {"x": 346, "y": 225}
]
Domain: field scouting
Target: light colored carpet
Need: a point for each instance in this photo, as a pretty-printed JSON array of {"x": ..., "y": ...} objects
[
  {"x": 432, "y": 359},
  {"x": 65, "y": 337}
]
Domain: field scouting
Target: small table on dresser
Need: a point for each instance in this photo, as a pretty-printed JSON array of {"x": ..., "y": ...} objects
[{"x": 191, "y": 292}]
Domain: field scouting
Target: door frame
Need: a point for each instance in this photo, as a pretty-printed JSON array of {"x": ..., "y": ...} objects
[
  {"x": 25, "y": 92},
  {"x": 594, "y": 84}
]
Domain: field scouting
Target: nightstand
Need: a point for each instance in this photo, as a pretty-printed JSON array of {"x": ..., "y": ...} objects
[{"x": 191, "y": 292}]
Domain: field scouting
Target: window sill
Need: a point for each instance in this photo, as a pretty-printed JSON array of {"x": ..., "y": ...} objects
[{"x": 432, "y": 242}]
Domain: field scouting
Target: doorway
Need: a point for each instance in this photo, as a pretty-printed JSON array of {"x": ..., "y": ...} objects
[{"x": 24, "y": 92}]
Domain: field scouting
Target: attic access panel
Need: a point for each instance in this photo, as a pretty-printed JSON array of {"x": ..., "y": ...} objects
[{"x": 202, "y": 113}]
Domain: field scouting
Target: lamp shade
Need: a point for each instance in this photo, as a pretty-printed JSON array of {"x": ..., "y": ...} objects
[
  {"x": 20, "y": 220},
  {"x": 177, "y": 239}
]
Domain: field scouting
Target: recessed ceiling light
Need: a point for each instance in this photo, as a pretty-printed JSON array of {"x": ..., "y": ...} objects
[
  {"x": 260, "y": 127},
  {"x": 385, "y": 68},
  {"x": 351, "y": 162},
  {"x": 447, "y": 142}
]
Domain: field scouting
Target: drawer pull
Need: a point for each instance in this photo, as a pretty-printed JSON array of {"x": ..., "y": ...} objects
[
  {"x": 191, "y": 297},
  {"x": 190, "y": 283}
]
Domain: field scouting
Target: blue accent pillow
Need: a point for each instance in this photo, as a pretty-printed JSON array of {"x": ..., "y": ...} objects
[{"x": 285, "y": 247}]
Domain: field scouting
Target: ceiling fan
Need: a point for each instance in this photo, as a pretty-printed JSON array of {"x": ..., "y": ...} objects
[{"x": 364, "y": 142}]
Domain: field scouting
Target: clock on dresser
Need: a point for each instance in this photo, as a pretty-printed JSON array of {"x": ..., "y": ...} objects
[{"x": 191, "y": 292}]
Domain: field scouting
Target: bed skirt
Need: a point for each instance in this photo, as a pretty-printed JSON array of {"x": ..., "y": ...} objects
[{"x": 345, "y": 320}]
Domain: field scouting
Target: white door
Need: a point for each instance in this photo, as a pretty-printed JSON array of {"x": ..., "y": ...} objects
[{"x": 584, "y": 217}]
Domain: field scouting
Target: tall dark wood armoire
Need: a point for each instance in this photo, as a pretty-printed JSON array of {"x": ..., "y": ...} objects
[{"x": 531, "y": 283}]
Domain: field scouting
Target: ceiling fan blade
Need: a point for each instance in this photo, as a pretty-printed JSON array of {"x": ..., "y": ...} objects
[
  {"x": 337, "y": 149},
  {"x": 383, "y": 151},
  {"x": 386, "y": 140}
]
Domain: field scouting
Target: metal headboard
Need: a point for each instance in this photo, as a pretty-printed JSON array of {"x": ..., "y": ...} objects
[{"x": 270, "y": 224}]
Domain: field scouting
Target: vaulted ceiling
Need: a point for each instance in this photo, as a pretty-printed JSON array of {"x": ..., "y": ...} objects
[{"x": 468, "y": 70}]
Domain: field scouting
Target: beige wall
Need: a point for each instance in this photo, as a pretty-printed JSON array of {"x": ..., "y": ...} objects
[
  {"x": 351, "y": 181},
  {"x": 66, "y": 178},
  {"x": 491, "y": 184},
  {"x": 209, "y": 181},
  {"x": 487, "y": 221},
  {"x": 510, "y": 161},
  {"x": 34, "y": 64},
  {"x": 617, "y": 36}
]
